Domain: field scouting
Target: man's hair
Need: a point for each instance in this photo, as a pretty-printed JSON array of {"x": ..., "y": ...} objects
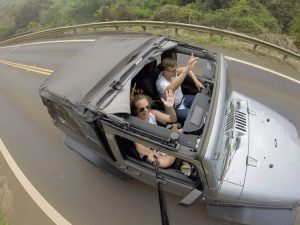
[{"x": 168, "y": 62}]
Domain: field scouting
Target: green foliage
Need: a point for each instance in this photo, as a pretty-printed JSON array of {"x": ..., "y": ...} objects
[
  {"x": 294, "y": 26},
  {"x": 81, "y": 11},
  {"x": 184, "y": 14},
  {"x": 143, "y": 9},
  {"x": 248, "y": 16},
  {"x": 141, "y": 13},
  {"x": 283, "y": 11},
  {"x": 7, "y": 27},
  {"x": 216, "y": 4},
  {"x": 103, "y": 14},
  {"x": 29, "y": 11},
  {"x": 55, "y": 15},
  {"x": 167, "y": 13},
  {"x": 188, "y": 14},
  {"x": 121, "y": 11},
  {"x": 106, "y": 2},
  {"x": 245, "y": 16},
  {"x": 3, "y": 219}
]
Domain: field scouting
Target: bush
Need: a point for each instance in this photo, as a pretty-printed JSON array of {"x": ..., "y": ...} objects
[
  {"x": 294, "y": 26},
  {"x": 174, "y": 13},
  {"x": 3, "y": 219},
  {"x": 279, "y": 39},
  {"x": 141, "y": 13},
  {"x": 103, "y": 14},
  {"x": 121, "y": 11},
  {"x": 7, "y": 27},
  {"x": 188, "y": 14},
  {"x": 55, "y": 15},
  {"x": 245, "y": 16},
  {"x": 167, "y": 13}
]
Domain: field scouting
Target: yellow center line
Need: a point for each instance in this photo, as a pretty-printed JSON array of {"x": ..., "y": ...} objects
[{"x": 28, "y": 67}]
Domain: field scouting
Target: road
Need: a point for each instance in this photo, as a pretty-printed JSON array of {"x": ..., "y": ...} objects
[{"x": 76, "y": 189}]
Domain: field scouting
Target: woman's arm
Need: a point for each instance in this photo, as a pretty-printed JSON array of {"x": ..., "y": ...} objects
[
  {"x": 170, "y": 117},
  {"x": 165, "y": 118},
  {"x": 165, "y": 161},
  {"x": 143, "y": 150}
]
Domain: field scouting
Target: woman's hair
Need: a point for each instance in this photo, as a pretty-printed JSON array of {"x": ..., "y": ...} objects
[
  {"x": 168, "y": 62},
  {"x": 136, "y": 98}
]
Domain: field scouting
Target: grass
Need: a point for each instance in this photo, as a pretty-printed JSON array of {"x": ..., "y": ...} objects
[
  {"x": 3, "y": 219},
  {"x": 199, "y": 38}
]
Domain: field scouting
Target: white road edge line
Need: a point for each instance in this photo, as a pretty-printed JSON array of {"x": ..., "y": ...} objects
[
  {"x": 263, "y": 68},
  {"x": 50, "y": 42},
  {"x": 31, "y": 190}
]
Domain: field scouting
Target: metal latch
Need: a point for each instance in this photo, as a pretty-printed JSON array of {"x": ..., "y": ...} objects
[
  {"x": 172, "y": 141},
  {"x": 116, "y": 85}
]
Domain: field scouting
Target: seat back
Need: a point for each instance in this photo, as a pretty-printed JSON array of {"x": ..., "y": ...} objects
[{"x": 146, "y": 80}]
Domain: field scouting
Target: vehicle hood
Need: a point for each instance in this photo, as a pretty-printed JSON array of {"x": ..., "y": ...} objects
[
  {"x": 273, "y": 162},
  {"x": 235, "y": 142}
]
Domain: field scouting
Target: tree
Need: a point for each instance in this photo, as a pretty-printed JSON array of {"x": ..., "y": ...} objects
[
  {"x": 143, "y": 9},
  {"x": 175, "y": 13},
  {"x": 185, "y": 2},
  {"x": 167, "y": 13},
  {"x": 248, "y": 16},
  {"x": 82, "y": 11},
  {"x": 216, "y": 4},
  {"x": 55, "y": 15},
  {"x": 283, "y": 11},
  {"x": 121, "y": 11},
  {"x": 29, "y": 11},
  {"x": 103, "y": 14},
  {"x": 7, "y": 27},
  {"x": 294, "y": 25}
]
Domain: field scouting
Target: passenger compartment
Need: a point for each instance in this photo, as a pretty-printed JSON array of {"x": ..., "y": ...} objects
[{"x": 196, "y": 118}]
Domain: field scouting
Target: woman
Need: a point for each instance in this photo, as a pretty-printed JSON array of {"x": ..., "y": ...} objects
[{"x": 141, "y": 105}]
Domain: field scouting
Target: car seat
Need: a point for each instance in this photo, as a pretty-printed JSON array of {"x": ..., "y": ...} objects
[{"x": 145, "y": 83}]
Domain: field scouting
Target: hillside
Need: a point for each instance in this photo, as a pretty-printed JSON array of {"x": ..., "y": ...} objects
[
  {"x": 5, "y": 2},
  {"x": 276, "y": 21}
]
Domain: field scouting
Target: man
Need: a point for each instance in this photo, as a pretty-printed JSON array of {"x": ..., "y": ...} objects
[{"x": 171, "y": 78}]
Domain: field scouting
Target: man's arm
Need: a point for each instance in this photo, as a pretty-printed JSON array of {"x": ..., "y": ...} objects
[
  {"x": 198, "y": 84},
  {"x": 176, "y": 83},
  {"x": 186, "y": 70},
  {"x": 191, "y": 74}
]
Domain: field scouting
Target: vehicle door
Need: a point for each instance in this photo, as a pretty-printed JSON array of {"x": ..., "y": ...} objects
[{"x": 120, "y": 137}]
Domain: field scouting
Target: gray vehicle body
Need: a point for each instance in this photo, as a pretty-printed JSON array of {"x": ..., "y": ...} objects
[{"x": 246, "y": 156}]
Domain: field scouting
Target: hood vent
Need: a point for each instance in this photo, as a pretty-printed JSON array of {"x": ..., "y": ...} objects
[{"x": 236, "y": 120}]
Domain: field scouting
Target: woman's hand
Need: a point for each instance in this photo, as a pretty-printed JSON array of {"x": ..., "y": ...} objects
[
  {"x": 169, "y": 102},
  {"x": 151, "y": 157}
]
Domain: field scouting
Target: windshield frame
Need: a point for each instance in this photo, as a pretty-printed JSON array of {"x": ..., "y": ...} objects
[{"x": 213, "y": 131}]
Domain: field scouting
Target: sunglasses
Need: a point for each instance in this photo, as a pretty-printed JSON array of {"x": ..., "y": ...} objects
[
  {"x": 148, "y": 107},
  {"x": 171, "y": 70}
]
